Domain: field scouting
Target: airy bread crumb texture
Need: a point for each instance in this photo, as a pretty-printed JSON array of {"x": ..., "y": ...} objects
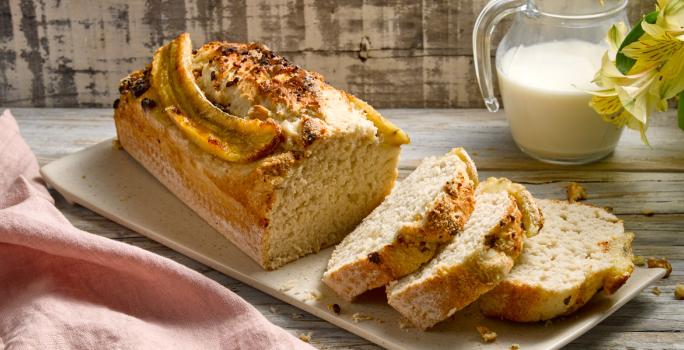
[
  {"x": 580, "y": 250},
  {"x": 322, "y": 200}
]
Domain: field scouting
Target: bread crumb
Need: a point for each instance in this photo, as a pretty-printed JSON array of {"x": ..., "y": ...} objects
[
  {"x": 287, "y": 286},
  {"x": 639, "y": 260},
  {"x": 487, "y": 334},
  {"x": 306, "y": 337},
  {"x": 515, "y": 347},
  {"x": 296, "y": 316},
  {"x": 335, "y": 308},
  {"x": 662, "y": 263},
  {"x": 679, "y": 291},
  {"x": 655, "y": 291},
  {"x": 273, "y": 310},
  {"x": 360, "y": 317},
  {"x": 116, "y": 144},
  {"x": 313, "y": 295},
  {"x": 405, "y": 324},
  {"x": 648, "y": 212},
  {"x": 575, "y": 192}
]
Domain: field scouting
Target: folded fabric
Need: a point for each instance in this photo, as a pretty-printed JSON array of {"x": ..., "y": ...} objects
[{"x": 63, "y": 288}]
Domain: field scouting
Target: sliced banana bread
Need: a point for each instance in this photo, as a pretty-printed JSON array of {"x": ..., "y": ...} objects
[
  {"x": 475, "y": 261},
  {"x": 580, "y": 250},
  {"x": 275, "y": 159},
  {"x": 424, "y": 211}
]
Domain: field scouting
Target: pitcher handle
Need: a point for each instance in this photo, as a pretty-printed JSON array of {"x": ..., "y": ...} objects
[{"x": 491, "y": 14}]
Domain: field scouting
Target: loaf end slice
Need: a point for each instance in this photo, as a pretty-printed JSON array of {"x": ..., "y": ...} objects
[
  {"x": 423, "y": 212},
  {"x": 474, "y": 262},
  {"x": 580, "y": 251}
]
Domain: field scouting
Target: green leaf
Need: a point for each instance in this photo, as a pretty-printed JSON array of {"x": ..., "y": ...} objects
[
  {"x": 680, "y": 110},
  {"x": 624, "y": 63}
]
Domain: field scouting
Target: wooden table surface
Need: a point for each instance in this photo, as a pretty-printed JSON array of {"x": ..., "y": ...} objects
[{"x": 644, "y": 186}]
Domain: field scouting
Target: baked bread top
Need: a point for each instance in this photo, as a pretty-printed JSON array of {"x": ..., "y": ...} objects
[{"x": 242, "y": 102}]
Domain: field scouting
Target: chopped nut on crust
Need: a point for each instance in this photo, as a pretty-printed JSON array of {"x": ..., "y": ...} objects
[
  {"x": 305, "y": 337},
  {"x": 575, "y": 192},
  {"x": 662, "y": 263},
  {"x": 360, "y": 317},
  {"x": 679, "y": 291},
  {"x": 639, "y": 260},
  {"x": 655, "y": 291},
  {"x": 487, "y": 334}
]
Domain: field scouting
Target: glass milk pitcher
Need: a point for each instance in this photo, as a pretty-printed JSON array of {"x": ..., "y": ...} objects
[{"x": 545, "y": 64}]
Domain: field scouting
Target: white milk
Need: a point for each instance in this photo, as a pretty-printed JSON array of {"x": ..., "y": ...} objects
[{"x": 541, "y": 86}]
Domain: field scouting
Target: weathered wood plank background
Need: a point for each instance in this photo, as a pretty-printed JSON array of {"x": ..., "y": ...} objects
[{"x": 404, "y": 53}]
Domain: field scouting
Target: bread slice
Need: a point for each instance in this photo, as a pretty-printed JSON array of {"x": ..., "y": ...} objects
[
  {"x": 332, "y": 167},
  {"x": 475, "y": 261},
  {"x": 581, "y": 250},
  {"x": 423, "y": 212}
]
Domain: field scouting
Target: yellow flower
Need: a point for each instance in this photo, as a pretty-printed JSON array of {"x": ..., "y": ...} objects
[
  {"x": 671, "y": 15},
  {"x": 656, "y": 75},
  {"x": 652, "y": 51}
]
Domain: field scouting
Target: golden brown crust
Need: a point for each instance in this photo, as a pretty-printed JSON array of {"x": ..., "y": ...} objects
[
  {"x": 236, "y": 206},
  {"x": 455, "y": 287},
  {"x": 447, "y": 215}
]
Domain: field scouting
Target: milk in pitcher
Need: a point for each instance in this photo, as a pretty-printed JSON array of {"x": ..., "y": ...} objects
[{"x": 543, "y": 89}]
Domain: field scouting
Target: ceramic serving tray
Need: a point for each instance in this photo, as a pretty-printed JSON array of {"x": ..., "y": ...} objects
[{"x": 111, "y": 183}]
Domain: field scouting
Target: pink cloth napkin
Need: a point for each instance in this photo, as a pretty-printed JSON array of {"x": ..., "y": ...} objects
[{"x": 63, "y": 288}]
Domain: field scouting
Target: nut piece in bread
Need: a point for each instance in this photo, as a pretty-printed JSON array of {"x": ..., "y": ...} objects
[
  {"x": 581, "y": 250},
  {"x": 275, "y": 159},
  {"x": 425, "y": 211},
  {"x": 475, "y": 261}
]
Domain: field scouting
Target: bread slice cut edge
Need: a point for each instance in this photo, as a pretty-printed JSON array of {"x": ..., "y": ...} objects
[
  {"x": 442, "y": 287},
  {"x": 521, "y": 300},
  {"x": 413, "y": 243}
]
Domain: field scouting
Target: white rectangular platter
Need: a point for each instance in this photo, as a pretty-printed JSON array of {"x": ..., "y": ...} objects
[{"x": 111, "y": 183}]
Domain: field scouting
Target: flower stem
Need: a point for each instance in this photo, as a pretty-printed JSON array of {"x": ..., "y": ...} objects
[{"x": 680, "y": 110}]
